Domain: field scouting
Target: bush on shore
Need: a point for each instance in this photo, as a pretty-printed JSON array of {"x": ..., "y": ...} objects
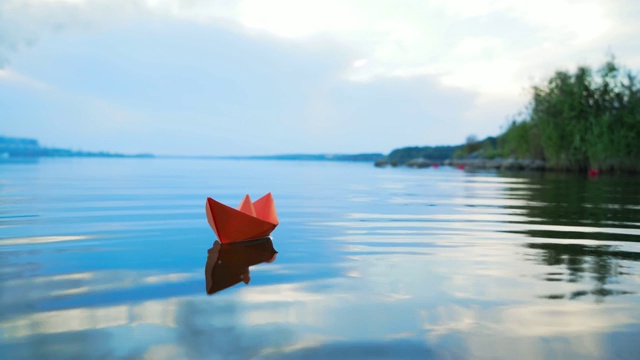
[{"x": 581, "y": 120}]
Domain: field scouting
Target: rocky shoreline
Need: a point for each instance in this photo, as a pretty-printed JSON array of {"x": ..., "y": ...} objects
[
  {"x": 500, "y": 164},
  {"x": 491, "y": 164},
  {"x": 497, "y": 164}
]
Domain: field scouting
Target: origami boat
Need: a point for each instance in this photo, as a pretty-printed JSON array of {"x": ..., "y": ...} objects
[{"x": 251, "y": 220}]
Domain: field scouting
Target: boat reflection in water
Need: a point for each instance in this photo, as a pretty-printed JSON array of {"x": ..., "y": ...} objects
[{"x": 228, "y": 264}]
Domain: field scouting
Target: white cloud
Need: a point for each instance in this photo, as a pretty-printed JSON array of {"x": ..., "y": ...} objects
[{"x": 455, "y": 39}]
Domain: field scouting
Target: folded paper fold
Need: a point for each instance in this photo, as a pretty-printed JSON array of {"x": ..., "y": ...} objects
[{"x": 251, "y": 220}]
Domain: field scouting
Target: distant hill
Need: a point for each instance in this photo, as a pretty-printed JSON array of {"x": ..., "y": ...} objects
[
  {"x": 12, "y": 147},
  {"x": 432, "y": 153},
  {"x": 20, "y": 148},
  {"x": 368, "y": 157}
]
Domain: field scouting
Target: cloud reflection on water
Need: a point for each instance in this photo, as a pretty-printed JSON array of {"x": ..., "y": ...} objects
[
  {"x": 334, "y": 318},
  {"x": 41, "y": 240}
]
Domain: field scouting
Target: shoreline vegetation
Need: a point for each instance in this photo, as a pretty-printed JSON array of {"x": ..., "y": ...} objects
[{"x": 584, "y": 120}]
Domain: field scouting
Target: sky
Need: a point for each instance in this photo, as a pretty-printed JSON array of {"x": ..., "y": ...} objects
[{"x": 255, "y": 77}]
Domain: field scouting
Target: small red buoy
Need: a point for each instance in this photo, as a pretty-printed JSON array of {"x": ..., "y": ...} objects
[
  {"x": 460, "y": 167},
  {"x": 594, "y": 172}
]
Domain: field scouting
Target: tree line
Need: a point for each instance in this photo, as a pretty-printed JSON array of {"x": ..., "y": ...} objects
[{"x": 586, "y": 119}]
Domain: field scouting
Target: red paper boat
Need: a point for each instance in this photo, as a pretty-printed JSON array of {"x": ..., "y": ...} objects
[{"x": 252, "y": 220}]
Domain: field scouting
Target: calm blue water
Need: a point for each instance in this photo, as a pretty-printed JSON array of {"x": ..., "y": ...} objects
[{"x": 105, "y": 258}]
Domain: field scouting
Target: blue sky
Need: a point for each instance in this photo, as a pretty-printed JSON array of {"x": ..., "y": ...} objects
[{"x": 246, "y": 77}]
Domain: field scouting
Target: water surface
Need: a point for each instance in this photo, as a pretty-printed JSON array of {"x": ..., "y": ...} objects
[{"x": 105, "y": 258}]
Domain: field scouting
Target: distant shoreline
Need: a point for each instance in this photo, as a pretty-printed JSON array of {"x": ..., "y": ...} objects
[
  {"x": 13, "y": 148},
  {"x": 23, "y": 148}
]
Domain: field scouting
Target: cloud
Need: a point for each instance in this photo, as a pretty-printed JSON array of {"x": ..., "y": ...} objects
[
  {"x": 419, "y": 37},
  {"x": 460, "y": 40},
  {"x": 24, "y": 22}
]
